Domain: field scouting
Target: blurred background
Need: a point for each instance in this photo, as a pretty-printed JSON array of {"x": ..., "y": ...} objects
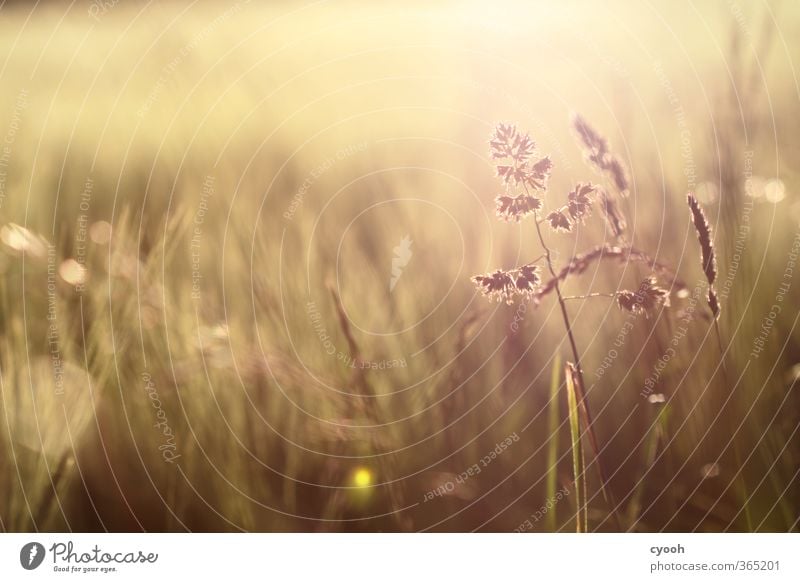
[{"x": 237, "y": 242}]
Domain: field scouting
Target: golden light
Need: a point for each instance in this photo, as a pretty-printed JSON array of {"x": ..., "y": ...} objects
[
  {"x": 20, "y": 239},
  {"x": 362, "y": 477},
  {"x": 775, "y": 191},
  {"x": 100, "y": 232},
  {"x": 72, "y": 272}
]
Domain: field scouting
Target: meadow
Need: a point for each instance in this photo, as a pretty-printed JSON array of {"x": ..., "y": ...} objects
[{"x": 237, "y": 244}]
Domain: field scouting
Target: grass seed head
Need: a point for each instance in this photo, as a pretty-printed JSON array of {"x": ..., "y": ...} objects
[
  {"x": 515, "y": 208},
  {"x": 707, "y": 254},
  {"x": 598, "y": 154},
  {"x": 645, "y": 300},
  {"x": 515, "y": 152},
  {"x": 704, "y": 236},
  {"x": 505, "y": 285},
  {"x": 614, "y": 218}
]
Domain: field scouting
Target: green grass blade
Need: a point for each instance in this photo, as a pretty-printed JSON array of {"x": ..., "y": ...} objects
[
  {"x": 553, "y": 418},
  {"x": 578, "y": 467}
]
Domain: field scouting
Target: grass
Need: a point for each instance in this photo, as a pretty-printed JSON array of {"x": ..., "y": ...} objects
[
  {"x": 364, "y": 130},
  {"x": 553, "y": 422},
  {"x": 578, "y": 463}
]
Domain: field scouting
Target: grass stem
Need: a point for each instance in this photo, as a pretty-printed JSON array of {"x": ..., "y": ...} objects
[{"x": 580, "y": 388}]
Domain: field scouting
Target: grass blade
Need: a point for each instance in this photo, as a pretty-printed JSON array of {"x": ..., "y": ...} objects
[
  {"x": 658, "y": 434},
  {"x": 578, "y": 464},
  {"x": 553, "y": 419}
]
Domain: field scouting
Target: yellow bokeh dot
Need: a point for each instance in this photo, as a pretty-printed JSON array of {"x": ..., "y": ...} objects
[{"x": 362, "y": 477}]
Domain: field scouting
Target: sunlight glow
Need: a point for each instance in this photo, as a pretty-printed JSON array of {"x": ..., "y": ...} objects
[{"x": 362, "y": 477}]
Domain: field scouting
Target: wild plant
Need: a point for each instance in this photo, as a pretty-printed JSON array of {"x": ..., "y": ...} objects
[{"x": 525, "y": 176}]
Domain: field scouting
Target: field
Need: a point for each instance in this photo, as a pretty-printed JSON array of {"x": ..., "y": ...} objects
[{"x": 238, "y": 243}]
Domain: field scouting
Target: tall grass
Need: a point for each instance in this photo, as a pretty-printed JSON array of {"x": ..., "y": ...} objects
[
  {"x": 386, "y": 108},
  {"x": 574, "y": 397},
  {"x": 553, "y": 423}
]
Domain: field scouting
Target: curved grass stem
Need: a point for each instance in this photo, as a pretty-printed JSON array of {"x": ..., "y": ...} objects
[{"x": 589, "y": 296}]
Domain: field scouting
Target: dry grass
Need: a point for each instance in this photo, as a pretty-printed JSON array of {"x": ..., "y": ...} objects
[{"x": 233, "y": 355}]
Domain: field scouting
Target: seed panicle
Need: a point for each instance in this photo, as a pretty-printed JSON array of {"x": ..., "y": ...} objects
[
  {"x": 515, "y": 208},
  {"x": 707, "y": 254},
  {"x": 614, "y": 219},
  {"x": 704, "y": 236},
  {"x": 504, "y": 286},
  {"x": 559, "y": 221},
  {"x": 581, "y": 262},
  {"x": 598, "y": 154},
  {"x": 644, "y": 300},
  {"x": 508, "y": 142},
  {"x": 576, "y": 210},
  {"x": 515, "y": 150}
]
